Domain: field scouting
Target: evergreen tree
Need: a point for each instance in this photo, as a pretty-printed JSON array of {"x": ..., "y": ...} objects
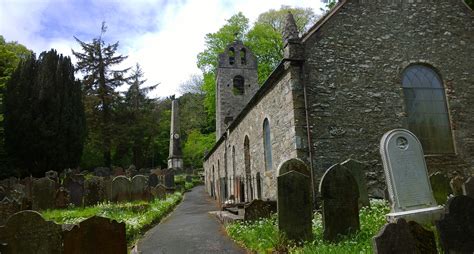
[
  {"x": 44, "y": 115},
  {"x": 96, "y": 62}
]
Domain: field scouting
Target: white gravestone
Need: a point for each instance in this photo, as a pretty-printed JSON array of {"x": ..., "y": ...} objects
[{"x": 407, "y": 178}]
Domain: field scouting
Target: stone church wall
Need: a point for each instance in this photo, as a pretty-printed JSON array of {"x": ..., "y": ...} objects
[{"x": 353, "y": 73}]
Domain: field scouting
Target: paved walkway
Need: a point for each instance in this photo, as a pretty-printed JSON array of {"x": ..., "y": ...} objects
[{"x": 189, "y": 229}]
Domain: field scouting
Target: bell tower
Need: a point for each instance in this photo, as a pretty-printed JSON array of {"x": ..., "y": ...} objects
[{"x": 236, "y": 84}]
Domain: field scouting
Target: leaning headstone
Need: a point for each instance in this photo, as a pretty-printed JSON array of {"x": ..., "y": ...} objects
[
  {"x": 294, "y": 201},
  {"x": 62, "y": 198},
  {"x": 340, "y": 196},
  {"x": 121, "y": 189},
  {"x": 75, "y": 186},
  {"x": 456, "y": 228},
  {"x": 456, "y": 185},
  {"x": 440, "y": 185},
  {"x": 7, "y": 208},
  {"x": 407, "y": 179},
  {"x": 357, "y": 170},
  {"x": 394, "y": 238},
  {"x": 94, "y": 191},
  {"x": 152, "y": 180},
  {"x": 468, "y": 187},
  {"x": 43, "y": 192},
  {"x": 139, "y": 188},
  {"x": 28, "y": 232},
  {"x": 258, "y": 209},
  {"x": 96, "y": 235},
  {"x": 169, "y": 178}
]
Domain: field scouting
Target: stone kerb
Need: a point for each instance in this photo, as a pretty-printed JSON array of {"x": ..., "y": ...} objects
[
  {"x": 294, "y": 203},
  {"x": 407, "y": 179}
]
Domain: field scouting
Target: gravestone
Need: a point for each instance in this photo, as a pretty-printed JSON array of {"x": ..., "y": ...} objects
[
  {"x": 28, "y": 232},
  {"x": 53, "y": 175},
  {"x": 43, "y": 192},
  {"x": 340, "y": 202},
  {"x": 259, "y": 209},
  {"x": 152, "y": 180},
  {"x": 102, "y": 171},
  {"x": 62, "y": 198},
  {"x": 96, "y": 235},
  {"x": 7, "y": 208},
  {"x": 294, "y": 201},
  {"x": 118, "y": 171},
  {"x": 139, "y": 188},
  {"x": 75, "y": 186},
  {"x": 401, "y": 237},
  {"x": 357, "y": 170},
  {"x": 159, "y": 191},
  {"x": 3, "y": 193},
  {"x": 121, "y": 189},
  {"x": 189, "y": 178},
  {"x": 94, "y": 191},
  {"x": 108, "y": 189},
  {"x": 456, "y": 228},
  {"x": 407, "y": 179},
  {"x": 468, "y": 187},
  {"x": 440, "y": 185},
  {"x": 456, "y": 185},
  {"x": 169, "y": 178}
]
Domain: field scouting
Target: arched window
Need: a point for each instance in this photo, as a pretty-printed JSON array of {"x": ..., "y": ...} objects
[
  {"x": 238, "y": 85},
  {"x": 243, "y": 56},
  {"x": 267, "y": 144},
  {"x": 231, "y": 56},
  {"x": 426, "y": 109}
]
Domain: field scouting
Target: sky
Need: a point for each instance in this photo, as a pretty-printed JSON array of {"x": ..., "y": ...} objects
[{"x": 163, "y": 36}]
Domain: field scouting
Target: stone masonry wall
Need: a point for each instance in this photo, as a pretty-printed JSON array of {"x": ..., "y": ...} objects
[{"x": 353, "y": 75}]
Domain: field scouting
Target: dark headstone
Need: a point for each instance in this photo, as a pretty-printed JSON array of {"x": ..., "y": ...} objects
[
  {"x": 259, "y": 209},
  {"x": 7, "y": 208},
  {"x": 189, "y": 178},
  {"x": 340, "y": 195},
  {"x": 394, "y": 238},
  {"x": 169, "y": 178},
  {"x": 118, "y": 171},
  {"x": 28, "y": 232},
  {"x": 440, "y": 186},
  {"x": 102, "y": 171},
  {"x": 94, "y": 191},
  {"x": 152, "y": 180},
  {"x": 108, "y": 189},
  {"x": 139, "y": 187},
  {"x": 456, "y": 185},
  {"x": 62, "y": 198},
  {"x": 43, "y": 192},
  {"x": 53, "y": 175},
  {"x": 294, "y": 201},
  {"x": 75, "y": 186},
  {"x": 456, "y": 228},
  {"x": 468, "y": 187},
  {"x": 424, "y": 239},
  {"x": 159, "y": 191},
  {"x": 96, "y": 235},
  {"x": 357, "y": 170},
  {"x": 121, "y": 189}
]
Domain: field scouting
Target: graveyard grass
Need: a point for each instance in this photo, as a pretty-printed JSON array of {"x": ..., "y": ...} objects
[{"x": 262, "y": 236}]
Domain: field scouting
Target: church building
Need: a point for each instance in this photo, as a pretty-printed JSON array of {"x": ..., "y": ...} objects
[{"x": 366, "y": 67}]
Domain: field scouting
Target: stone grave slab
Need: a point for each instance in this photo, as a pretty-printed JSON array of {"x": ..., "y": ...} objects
[
  {"x": 7, "y": 208},
  {"x": 121, "y": 186},
  {"x": 96, "y": 235},
  {"x": 159, "y": 191},
  {"x": 75, "y": 186},
  {"x": 394, "y": 238},
  {"x": 340, "y": 202},
  {"x": 62, "y": 199},
  {"x": 43, "y": 194},
  {"x": 440, "y": 185},
  {"x": 456, "y": 228},
  {"x": 424, "y": 239},
  {"x": 468, "y": 187},
  {"x": 102, "y": 171},
  {"x": 169, "y": 178},
  {"x": 153, "y": 180},
  {"x": 28, "y": 232},
  {"x": 357, "y": 170},
  {"x": 94, "y": 191},
  {"x": 259, "y": 209},
  {"x": 53, "y": 175},
  {"x": 294, "y": 201},
  {"x": 139, "y": 188},
  {"x": 407, "y": 179}
]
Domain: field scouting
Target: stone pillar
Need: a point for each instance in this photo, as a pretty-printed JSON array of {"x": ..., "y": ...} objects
[{"x": 175, "y": 158}]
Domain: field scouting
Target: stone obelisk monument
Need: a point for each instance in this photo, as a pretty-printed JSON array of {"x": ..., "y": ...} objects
[{"x": 175, "y": 158}]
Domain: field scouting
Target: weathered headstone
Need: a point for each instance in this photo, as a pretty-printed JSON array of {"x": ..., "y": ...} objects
[
  {"x": 468, "y": 187},
  {"x": 152, "y": 180},
  {"x": 159, "y": 191},
  {"x": 53, "y": 175},
  {"x": 259, "y": 209},
  {"x": 96, "y": 235},
  {"x": 456, "y": 228},
  {"x": 7, "y": 208},
  {"x": 118, "y": 171},
  {"x": 121, "y": 189},
  {"x": 440, "y": 185},
  {"x": 43, "y": 192},
  {"x": 28, "y": 232},
  {"x": 407, "y": 179},
  {"x": 139, "y": 188},
  {"x": 357, "y": 170},
  {"x": 108, "y": 189},
  {"x": 294, "y": 201},
  {"x": 456, "y": 185},
  {"x": 75, "y": 186},
  {"x": 102, "y": 171},
  {"x": 401, "y": 237},
  {"x": 62, "y": 198},
  {"x": 169, "y": 178},
  {"x": 340, "y": 196},
  {"x": 94, "y": 191}
]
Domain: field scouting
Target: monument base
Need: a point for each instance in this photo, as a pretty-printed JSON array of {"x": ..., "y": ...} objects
[{"x": 422, "y": 216}]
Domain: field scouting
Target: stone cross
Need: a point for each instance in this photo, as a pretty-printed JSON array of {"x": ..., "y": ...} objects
[
  {"x": 340, "y": 196},
  {"x": 407, "y": 179},
  {"x": 294, "y": 200}
]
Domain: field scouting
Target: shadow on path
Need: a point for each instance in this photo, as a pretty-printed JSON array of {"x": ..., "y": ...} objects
[{"x": 189, "y": 229}]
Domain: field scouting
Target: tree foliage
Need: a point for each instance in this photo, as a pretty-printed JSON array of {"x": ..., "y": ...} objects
[{"x": 44, "y": 115}]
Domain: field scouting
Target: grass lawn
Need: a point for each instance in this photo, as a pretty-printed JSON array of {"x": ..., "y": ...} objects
[{"x": 262, "y": 236}]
